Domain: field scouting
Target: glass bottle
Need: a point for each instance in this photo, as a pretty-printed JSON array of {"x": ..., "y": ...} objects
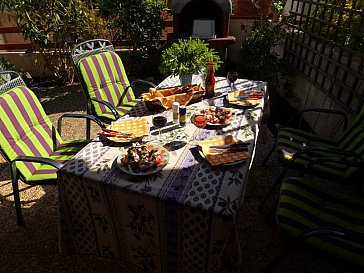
[{"x": 210, "y": 81}]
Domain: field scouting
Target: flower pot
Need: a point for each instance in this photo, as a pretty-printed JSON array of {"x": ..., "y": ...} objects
[
  {"x": 276, "y": 16},
  {"x": 187, "y": 79}
]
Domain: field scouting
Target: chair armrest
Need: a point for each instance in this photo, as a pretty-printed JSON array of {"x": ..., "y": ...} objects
[
  {"x": 143, "y": 82},
  {"x": 345, "y": 157},
  {"x": 36, "y": 159},
  {"x": 86, "y": 116},
  {"x": 108, "y": 105},
  {"x": 333, "y": 232},
  {"x": 319, "y": 110}
]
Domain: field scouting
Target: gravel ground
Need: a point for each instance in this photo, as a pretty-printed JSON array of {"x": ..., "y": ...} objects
[{"x": 34, "y": 247}]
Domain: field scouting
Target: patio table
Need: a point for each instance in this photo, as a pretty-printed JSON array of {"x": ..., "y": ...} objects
[{"x": 182, "y": 219}]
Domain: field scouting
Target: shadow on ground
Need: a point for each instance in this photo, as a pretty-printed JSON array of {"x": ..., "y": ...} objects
[{"x": 34, "y": 247}]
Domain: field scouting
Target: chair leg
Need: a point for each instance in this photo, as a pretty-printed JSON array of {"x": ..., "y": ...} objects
[
  {"x": 273, "y": 188},
  {"x": 88, "y": 129},
  {"x": 14, "y": 182},
  {"x": 88, "y": 122}
]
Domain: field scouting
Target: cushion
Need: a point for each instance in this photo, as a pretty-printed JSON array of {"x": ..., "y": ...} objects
[
  {"x": 305, "y": 205},
  {"x": 105, "y": 79}
]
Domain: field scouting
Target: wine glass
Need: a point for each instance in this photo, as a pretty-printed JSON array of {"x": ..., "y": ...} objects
[
  {"x": 200, "y": 121},
  {"x": 159, "y": 121},
  {"x": 232, "y": 76}
]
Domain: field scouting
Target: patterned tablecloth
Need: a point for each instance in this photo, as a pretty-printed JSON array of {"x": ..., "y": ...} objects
[{"x": 181, "y": 219}]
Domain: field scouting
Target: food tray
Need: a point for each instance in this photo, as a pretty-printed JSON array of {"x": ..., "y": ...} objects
[{"x": 167, "y": 96}]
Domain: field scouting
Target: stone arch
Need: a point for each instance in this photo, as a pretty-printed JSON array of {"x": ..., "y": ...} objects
[{"x": 178, "y": 5}]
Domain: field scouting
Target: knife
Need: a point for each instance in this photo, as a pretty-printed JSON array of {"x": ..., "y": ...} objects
[
  {"x": 114, "y": 132},
  {"x": 113, "y": 135},
  {"x": 229, "y": 146},
  {"x": 252, "y": 97}
]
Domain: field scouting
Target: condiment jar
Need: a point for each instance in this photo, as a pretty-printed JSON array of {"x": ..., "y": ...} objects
[
  {"x": 182, "y": 115},
  {"x": 175, "y": 111}
]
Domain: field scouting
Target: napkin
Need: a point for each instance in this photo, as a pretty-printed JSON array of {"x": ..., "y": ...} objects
[
  {"x": 223, "y": 156},
  {"x": 166, "y": 97},
  {"x": 137, "y": 127},
  {"x": 231, "y": 97}
]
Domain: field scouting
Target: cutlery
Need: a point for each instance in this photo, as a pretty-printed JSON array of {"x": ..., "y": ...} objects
[
  {"x": 113, "y": 135},
  {"x": 229, "y": 146},
  {"x": 114, "y": 132},
  {"x": 238, "y": 149},
  {"x": 251, "y": 97}
]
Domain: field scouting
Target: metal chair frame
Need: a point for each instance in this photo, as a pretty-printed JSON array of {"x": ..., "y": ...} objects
[
  {"x": 94, "y": 47},
  {"x": 13, "y": 79},
  {"x": 345, "y": 156}
]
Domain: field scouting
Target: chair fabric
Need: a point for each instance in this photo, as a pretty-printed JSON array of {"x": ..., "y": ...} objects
[
  {"x": 26, "y": 130},
  {"x": 105, "y": 79},
  {"x": 291, "y": 141},
  {"x": 305, "y": 206}
]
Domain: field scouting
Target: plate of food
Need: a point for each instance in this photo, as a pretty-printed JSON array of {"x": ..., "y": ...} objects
[
  {"x": 222, "y": 164},
  {"x": 224, "y": 150},
  {"x": 217, "y": 116},
  {"x": 143, "y": 159},
  {"x": 245, "y": 98},
  {"x": 126, "y": 130}
]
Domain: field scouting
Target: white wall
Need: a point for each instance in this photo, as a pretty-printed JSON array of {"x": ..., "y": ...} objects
[{"x": 235, "y": 30}]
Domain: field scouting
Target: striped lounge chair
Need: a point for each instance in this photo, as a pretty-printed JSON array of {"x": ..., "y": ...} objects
[
  {"x": 104, "y": 81},
  {"x": 28, "y": 140},
  {"x": 339, "y": 159},
  {"x": 328, "y": 221}
]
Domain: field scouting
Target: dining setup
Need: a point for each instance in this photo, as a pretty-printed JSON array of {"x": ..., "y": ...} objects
[{"x": 160, "y": 188}]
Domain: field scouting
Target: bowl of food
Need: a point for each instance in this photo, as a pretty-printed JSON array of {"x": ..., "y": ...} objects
[{"x": 143, "y": 159}]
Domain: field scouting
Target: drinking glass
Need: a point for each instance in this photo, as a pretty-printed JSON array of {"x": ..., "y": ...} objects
[
  {"x": 159, "y": 121},
  {"x": 200, "y": 121},
  {"x": 232, "y": 76}
]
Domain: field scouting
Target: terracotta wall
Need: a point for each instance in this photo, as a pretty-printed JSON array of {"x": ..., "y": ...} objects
[
  {"x": 244, "y": 9},
  {"x": 8, "y": 37}
]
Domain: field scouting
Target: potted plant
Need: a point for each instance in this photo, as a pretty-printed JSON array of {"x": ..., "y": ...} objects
[
  {"x": 187, "y": 57},
  {"x": 276, "y": 9}
]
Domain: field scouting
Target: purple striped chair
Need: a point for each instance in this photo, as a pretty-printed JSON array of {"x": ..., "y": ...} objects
[
  {"x": 104, "y": 81},
  {"x": 28, "y": 140}
]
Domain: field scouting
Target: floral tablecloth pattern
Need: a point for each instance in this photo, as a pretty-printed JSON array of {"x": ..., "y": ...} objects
[{"x": 181, "y": 219}]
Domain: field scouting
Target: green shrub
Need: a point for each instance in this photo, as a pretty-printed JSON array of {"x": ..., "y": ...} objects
[
  {"x": 138, "y": 24},
  {"x": 54, "y": 26},
  {"x": 258, "y": 58}
]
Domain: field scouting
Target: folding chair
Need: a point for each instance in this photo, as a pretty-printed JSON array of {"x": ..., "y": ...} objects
[
  {"x": 340, "y": 159},
  {"x": 103, "y": 79},
  {"x": 324, "y": 220},
  {"x": 28, "y": 140}
]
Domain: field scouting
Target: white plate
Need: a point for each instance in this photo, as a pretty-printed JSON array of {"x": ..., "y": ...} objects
[
  {"x": 165, "y": 159},
  {"x": 229, "y": 121}
]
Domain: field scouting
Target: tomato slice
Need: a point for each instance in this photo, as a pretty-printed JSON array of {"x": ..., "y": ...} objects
[{"x": 158, "y": 161}]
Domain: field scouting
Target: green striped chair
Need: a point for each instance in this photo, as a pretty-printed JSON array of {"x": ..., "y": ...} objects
[
  {"x": 328, "y": 221},
  {"x": 104, "y": 81},
  {"x": 28, "y": 140},
  {"x": 339, "y": 159}
]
